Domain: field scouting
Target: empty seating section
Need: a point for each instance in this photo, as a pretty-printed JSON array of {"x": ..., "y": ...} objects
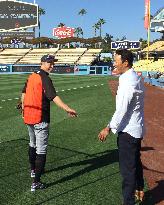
[
  {"x": 65, "y": 56},
  {"x": 69, "y": 56},
  {"x": 34, "y": 56},
  {"x": 141, "y": 63},
  {"x": 11, "y": 56},
  {"x": 150, "y": 65},
  {"x": 158, "y": 65},
  {"x": 155, "y": 46},
  {"x": 160, "y": 48},
  {"x": 89, "y": 56},
  {"x": 144, "y": 65}
]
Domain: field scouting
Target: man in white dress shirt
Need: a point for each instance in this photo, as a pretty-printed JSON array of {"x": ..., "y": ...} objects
[{"x": 128, "y": 123}]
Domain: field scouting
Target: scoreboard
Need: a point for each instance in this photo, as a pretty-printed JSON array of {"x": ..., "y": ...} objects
[{"x": 17, "y": 15}]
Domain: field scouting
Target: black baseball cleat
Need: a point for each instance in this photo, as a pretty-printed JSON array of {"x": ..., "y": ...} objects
[{"x": 37, "y": 185}]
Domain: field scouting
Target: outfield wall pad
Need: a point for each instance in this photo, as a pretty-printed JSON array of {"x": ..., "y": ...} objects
[{"x": 58, "y": 69}]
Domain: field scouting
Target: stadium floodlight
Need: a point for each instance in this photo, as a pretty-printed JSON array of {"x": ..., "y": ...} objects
[{"x": 17, "y": 15}]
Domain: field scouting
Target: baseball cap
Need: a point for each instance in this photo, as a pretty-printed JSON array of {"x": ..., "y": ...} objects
[{"x": 48, "y": 59}]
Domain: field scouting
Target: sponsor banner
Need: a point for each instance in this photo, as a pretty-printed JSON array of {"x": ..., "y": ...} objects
[
  {"x": 63, "y": 69},
  {"x": 32, "y": 68},
  {"x": 4, "y": 69},
  {"x": 63, "y": 32},
  {"x": 125, "y": 45}
]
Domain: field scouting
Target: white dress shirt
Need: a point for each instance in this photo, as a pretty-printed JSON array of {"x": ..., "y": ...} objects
[{"x": 129, "y": 114}]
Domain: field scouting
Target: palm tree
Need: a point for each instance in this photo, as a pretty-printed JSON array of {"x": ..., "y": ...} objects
[
  {"x": 106, "y": 45},
  {"x": 100, "y": 23},
  {"x": 79, "y": 31},
  {"x": 143, "y": 43},
  {"x": 41, "y": 12},
  {"x": 95, "y": 27},
  {"x": 82, "y": 12},
  {"x": 123, "y": 38},
  {"x": 61, "y": 24}
]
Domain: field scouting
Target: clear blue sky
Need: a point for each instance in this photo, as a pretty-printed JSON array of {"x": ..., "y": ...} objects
[{"x": 123, "y": 17}]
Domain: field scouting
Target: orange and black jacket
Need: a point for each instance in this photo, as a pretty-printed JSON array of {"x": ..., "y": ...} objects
[{"x": 39, "y": 91}]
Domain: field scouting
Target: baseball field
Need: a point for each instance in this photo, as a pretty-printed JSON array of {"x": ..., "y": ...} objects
[{"x": 79, "y": 169}]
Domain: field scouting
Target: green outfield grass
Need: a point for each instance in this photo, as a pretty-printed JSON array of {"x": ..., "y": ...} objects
[{"x": 80, "y": 170}]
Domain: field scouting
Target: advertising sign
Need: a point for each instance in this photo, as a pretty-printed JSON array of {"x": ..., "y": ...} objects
[
  {"x": 56, "y": 69},
  {"x": 125, "y": 45},
  {"x": 63, "y": 32},
  {"x": 4, "y": 68}
]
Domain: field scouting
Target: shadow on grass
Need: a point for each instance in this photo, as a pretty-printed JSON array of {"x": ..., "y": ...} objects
[
  {"x": 15, "y": 165},
  {"x": 76, "y": 188},
  {"x": 14, "y": 156},
  {"x": 14, "y": 160},
  {"x": 96, "y": 162}
]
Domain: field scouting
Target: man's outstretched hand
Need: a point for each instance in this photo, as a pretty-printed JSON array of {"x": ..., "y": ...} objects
[
  {"x": 104, "y": 133},
  {"x": 72, "y": 113}
]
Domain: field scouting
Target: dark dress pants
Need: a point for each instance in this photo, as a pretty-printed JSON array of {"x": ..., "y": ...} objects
[{"x": 130, "y": 166}]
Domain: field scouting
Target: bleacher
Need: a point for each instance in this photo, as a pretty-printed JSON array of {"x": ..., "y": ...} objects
[
  {"x": 155, "y": 46},
  {"x": 34, "y": 56},
  {"x": 11, "y": 56},
  {"x": 160, "y": 48},
  {"x": 89, "y": 56},
  {"x": 74, "y": 56},
  {"x": 69, "y": 56},
  {"x": 150, "y": 65}
]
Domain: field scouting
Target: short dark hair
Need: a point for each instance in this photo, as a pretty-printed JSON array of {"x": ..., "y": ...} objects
[{"x": 126, "y": 55}]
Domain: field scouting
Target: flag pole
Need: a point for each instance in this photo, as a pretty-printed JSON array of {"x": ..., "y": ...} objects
[{"x": 148, "y": 35}]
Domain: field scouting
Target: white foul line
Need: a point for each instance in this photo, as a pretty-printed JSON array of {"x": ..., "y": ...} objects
[{"x": 88, "y": 86}]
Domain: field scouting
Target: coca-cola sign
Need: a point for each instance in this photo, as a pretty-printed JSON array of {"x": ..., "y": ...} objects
[{"x": 63, "y": 32}]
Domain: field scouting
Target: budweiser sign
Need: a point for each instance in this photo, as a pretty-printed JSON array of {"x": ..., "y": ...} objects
[{"x": 63, "y": 32}]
